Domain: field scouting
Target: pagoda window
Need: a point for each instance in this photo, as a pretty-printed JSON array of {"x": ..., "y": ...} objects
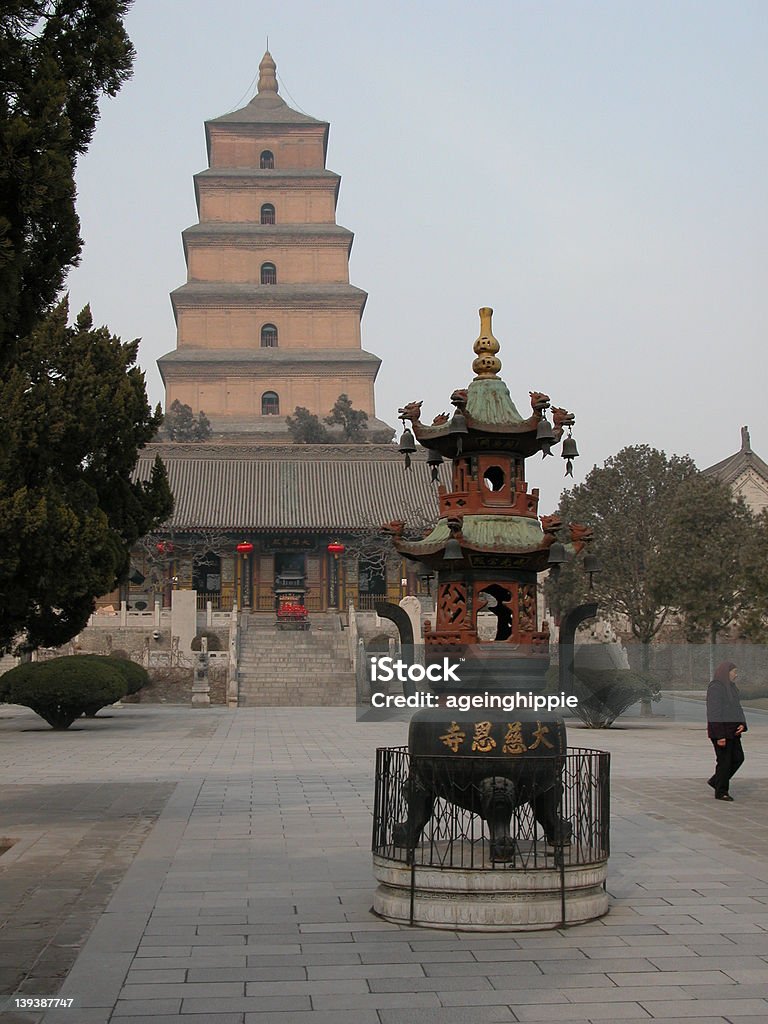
[
  {"x": 267, "y": 160},
  {"x": 270, "y": 404},
  {"x": 268, "y": 273},
  {"x": 267, "y": 214},
  {"x": 269, "y": 336},
  {"x": 494, "y": 478}
]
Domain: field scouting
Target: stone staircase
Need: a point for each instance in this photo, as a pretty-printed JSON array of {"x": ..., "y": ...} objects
[{"x": 291, "y": 668}]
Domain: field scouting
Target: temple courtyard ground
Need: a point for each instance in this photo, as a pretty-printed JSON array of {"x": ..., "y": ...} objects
[{"x": 169, "y": 864}]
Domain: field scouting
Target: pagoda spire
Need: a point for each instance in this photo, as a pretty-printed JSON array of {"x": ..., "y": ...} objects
[
  {"x": 268, "y": 74},
  {"x": 487, "y": 364}
]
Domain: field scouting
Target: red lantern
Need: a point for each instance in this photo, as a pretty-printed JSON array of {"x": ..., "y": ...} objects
[
  {"x": 335, "y": 548},
  {"x": 164, "y": 547},
  {"x": 244, "y": 548}
]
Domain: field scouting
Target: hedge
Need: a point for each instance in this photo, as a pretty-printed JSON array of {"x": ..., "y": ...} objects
[{"x": 60, "y": 690}]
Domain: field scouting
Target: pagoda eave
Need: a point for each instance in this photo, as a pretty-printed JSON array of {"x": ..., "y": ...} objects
[{"x": 518, "y": 440}]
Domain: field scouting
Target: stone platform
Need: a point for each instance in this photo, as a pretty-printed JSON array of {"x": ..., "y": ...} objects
[{"x": 491, "y": 899}]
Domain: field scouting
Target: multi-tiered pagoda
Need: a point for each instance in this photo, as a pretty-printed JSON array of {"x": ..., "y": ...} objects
[{"x": 267, "y": 320}]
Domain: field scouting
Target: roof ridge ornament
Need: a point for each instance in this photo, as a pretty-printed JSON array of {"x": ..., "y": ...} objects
[
  {"x": 746, "y": 444},
  {"x": 268, "y": 74},
  {"x": 487, "y": 364}
]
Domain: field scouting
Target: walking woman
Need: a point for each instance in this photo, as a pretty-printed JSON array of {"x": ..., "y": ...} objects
[{"x": 725, "y": 724}]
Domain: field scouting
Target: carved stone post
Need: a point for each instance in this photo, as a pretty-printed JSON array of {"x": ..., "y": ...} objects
[{"x": 201, "y": 683}]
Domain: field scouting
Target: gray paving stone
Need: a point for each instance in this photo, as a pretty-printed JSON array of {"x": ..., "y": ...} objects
[
  {"x": 693, "y": 1020},
  {"x": 183, "y": 991},
  {"x": 693, "y": 977},
  {"x": 148, "y": 963},
  {"x": 629, "y": 993},
  {"x": 537, "y": 953},
  {"x": 707, "y": 963},
  {"x": 310, "y": 988},
  {"x": 318, "y": 1017},
  {"x": 583, "y": 1012},
  {"x": 422, "y": 984},
  {"x": 206, "y": 974},
  {"x": 748, "y": 975},
  {"x": 210, "y": 1018},
  {"x": 376, "y": 1001},
  {"x": 336, "y": 955},
  {"x": 522, "y": 969},
  {"x": 728, "y": 1008},
  {"x": 608, "y": 965},
  {"x": 147, "y": 1007},
  {"x": 546, "y": 981},
  {"x": 162, "y": 976},
  {"x": 756, "y": 990},
  {"x": 513, "y": 997},
  {"x": 445, "y": 1015},
  {"x": 367, "y": 971},
  {"x": 282, "y": 1004}
]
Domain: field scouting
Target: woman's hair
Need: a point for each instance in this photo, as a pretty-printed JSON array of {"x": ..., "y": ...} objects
[{"x": 722, "y": 671}]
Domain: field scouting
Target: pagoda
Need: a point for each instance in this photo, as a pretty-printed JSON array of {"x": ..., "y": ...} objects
[
  {"x": 267, "y": 319},
  {"x": 489, "y": 544}
]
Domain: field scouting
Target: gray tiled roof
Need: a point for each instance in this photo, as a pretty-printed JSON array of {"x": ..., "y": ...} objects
[
  {"x": 729, "y": 470},
  {"x": 268, "y": 109},
  {"x": 285, "y": 486}
]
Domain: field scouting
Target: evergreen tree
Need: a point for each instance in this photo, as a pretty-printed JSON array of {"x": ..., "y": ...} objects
[
  {"x": 305, "y": 427},
  {"x": 354, "y": 422},
  {"x": 58, "y": 57},
  {"x": 73, "y": 407},
  {"x": 181, "y": 424},
  {"x": 73, "y": 413}
]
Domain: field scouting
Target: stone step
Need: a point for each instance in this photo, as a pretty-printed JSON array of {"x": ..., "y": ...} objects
[{"x": 282, "y": 667}]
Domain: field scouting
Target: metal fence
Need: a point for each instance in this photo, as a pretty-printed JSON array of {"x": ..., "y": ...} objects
[{"x": 575, "y": 786}]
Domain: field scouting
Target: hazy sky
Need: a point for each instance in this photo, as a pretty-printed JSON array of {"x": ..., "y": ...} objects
[{"x": 594, "y": 171}]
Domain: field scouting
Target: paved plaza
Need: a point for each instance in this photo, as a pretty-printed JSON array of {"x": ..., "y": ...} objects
[{"x": 172, "y": 865}]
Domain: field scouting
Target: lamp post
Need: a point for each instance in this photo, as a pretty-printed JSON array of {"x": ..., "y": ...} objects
[
  {"x": 335, "y": 548},
  {"x": 245, "y": 548}
]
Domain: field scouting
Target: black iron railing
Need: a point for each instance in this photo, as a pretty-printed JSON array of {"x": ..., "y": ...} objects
[{"x": 575, "y": 784}]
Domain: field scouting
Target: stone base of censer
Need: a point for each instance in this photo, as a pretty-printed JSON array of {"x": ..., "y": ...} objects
[{"x": 489, "y": 900}]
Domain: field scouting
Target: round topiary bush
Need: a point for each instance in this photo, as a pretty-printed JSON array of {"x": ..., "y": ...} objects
[
  {"x": 136, "y": 676},
  {"x": 214, "y": 641},
  {"x": 60, "y": 690}
]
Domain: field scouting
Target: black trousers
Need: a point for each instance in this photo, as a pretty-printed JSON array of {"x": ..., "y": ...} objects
[{"x": 729, "y": 759}]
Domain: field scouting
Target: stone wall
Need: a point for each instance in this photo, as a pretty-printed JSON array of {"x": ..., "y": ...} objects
[{"x": 174, "y": 686}]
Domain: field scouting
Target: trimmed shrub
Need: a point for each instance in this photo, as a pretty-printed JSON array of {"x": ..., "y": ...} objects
[
  {"x": 136, "y": 676},
  {"x": 604, "y": 694},
  {"x": 214, "y": 641},
  {"x": 60, "y": 690}
]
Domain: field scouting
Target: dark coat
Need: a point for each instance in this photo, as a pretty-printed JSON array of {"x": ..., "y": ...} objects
[{"x": 724, "y": 710}]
